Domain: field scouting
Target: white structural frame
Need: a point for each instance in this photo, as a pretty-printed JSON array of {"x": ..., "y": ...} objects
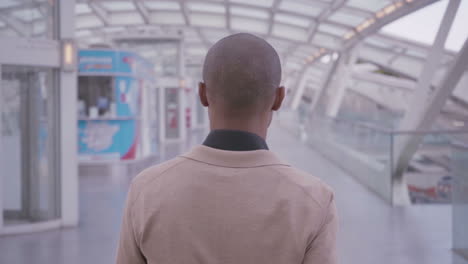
[
  {"x": 68, "y": 124},
  {"x": 421, "y": 114},
  {"x": 299, "y": 52},
  {"x": 1, "y": 156},
  {"x": 341, "y": 81},
  {"x": 47, "y": 53}
]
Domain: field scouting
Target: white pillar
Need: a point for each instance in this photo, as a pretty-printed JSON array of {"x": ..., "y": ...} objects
[
  {"x": 300, "y": 88},
  {"x": 1, "y": 154},
  {"x": 68, "y": 123},
  {"x": 320, "y": 97},
  {"x": 426, "y": 103},
  {"x": 341, "y": 81}
]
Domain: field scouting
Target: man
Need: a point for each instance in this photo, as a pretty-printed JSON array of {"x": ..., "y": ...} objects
[{"x": 231, "y": 200}]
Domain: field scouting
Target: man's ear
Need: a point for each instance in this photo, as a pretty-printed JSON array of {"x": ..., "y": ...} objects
[
  {"x": 202, "y": 94},
  {"x": 279, "y": 97}
]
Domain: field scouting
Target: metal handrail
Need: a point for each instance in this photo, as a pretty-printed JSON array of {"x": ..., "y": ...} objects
[{"x": 395, "y": 132}]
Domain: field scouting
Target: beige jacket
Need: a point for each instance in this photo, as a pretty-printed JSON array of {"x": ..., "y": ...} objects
[{"x": 214, "y": 206}]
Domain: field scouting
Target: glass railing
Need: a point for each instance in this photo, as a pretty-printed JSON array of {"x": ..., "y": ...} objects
[
  {"x": 369, "y": 154},
  {"x": 460, "y": 202}
]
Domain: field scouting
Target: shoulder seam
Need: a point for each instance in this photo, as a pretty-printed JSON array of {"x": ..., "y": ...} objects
[
  {"x": 322, "y": 224},
  {"x": 152, "y": 180},
  {"x": 299, "y": 187}
]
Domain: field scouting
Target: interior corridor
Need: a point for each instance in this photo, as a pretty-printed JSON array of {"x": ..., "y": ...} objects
[{"x": 371, "y": 231}]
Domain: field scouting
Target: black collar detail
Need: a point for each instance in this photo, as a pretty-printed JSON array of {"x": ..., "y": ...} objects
[{"x": 234, "y": 140}]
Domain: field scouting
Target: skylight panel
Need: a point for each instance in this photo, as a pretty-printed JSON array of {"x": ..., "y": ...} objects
[
  {"x": 118, "y": 5},
  {"x": 293, "y": 65},
  {"x": 206, "y": 7},
  {"x": 249, "y": 25},
  {"x": 326, "y": 41},
  {"x": 214, "y": 34},
  {"x": 372, "y": 6},
  {"x": 113, "y": 29},
  {"x": 8, "y": 3},
  {"x": 87, "y": 21},
  {"x": 208, "y": 20},
  {"x": 196, "y": 50},
  {"x": 27, "y": 15},
  {"x": 250, "y": 12},
  {"x": 167, "y": 17},
  {"x": 260, "y": 3},
  {"x": 292, "y": 20},
  {"x": 417, "y": 53},
  {"x": 309, "y": 8},
  {"x": 162, "y": 5},
  {"x": 39, "y": 27},
  {"x": 378, "y": 42},
  {"x": 82, "y": 8},
  {"x": 346, "y": 18},
  {"x": 334, "y": 30},
  {"x": 129, "y": 18},
  {"x": 279, "y": 44},
  {"x": 290, "y": 32},
  {"x": 82, "y": 33}
]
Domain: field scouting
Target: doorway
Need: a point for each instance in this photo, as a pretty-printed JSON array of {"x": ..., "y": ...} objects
[{"x": 28, "y": 128}]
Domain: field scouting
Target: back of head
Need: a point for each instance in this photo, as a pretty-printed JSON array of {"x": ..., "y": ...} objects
[{"x": 242, "y": 73}]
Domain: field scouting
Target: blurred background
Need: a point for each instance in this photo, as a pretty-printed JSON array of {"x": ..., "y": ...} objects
[{"x": 94, "y": 91}]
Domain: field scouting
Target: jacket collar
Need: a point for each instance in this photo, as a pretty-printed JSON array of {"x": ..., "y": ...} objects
[
  {"x": 234, "y": 140},
  {"x": 233, "y": 159}
]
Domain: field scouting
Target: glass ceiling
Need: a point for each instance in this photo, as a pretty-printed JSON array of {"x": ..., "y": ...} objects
[
  {"x": 321, "y": 25},
  {"x": 421, "y": 26},
  {"x": 306, "y": 33}
]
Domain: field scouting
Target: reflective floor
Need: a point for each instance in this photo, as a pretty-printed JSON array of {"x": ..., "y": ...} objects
[{"x": 371, "y": 231}]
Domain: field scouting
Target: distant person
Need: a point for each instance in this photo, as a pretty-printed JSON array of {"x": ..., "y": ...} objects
[
  {"x": 102, "y": 105},
  {"x": 231, "y": 200}
]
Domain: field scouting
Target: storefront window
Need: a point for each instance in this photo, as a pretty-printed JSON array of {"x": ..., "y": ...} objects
[
  {"x": 29, "y": 175},
  {"x": 96, "y": 96},
  {"x": 28, "y": 18}
]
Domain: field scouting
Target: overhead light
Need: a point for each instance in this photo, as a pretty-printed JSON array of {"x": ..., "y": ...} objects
[
  {"x": 68, "y": 58},
  {"x": 349, "y": 35},
  {"x": 335, "y": 56},
  {"x": 326, "y": 59},
  {"x": 389, "y": 9},
  {"x": 365, "y": 24},
  {"x": 457, "y": 123},
  {"x": 380, "y": 14}
]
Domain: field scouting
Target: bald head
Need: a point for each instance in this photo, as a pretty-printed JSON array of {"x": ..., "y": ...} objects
[{"x": 242, "y": 72}]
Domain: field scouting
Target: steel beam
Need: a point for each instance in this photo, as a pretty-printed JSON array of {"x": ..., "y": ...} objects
[
  {"x": 17, "y": 26},
  {"x": 426, "y": 103},
  {"x": 300, "y": 88},
  {"x": 339, "y": 85},
  {"x": 143, "y": 11}
]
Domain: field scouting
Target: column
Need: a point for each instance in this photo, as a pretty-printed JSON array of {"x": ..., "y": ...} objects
[
  {"x": 68, "y": 122},
  {"x": 426, "y": 103}
]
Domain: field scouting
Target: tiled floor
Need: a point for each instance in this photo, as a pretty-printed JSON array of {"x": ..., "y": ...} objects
[{"x": 370, "y": 230}]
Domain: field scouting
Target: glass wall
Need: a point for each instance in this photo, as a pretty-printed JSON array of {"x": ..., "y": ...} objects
[
  {"x": 29, "y": 165},
  {"x": 27, "y": 19},
  {"x": 460, "y": 202},
  {"x": 370, "y": 154}
]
